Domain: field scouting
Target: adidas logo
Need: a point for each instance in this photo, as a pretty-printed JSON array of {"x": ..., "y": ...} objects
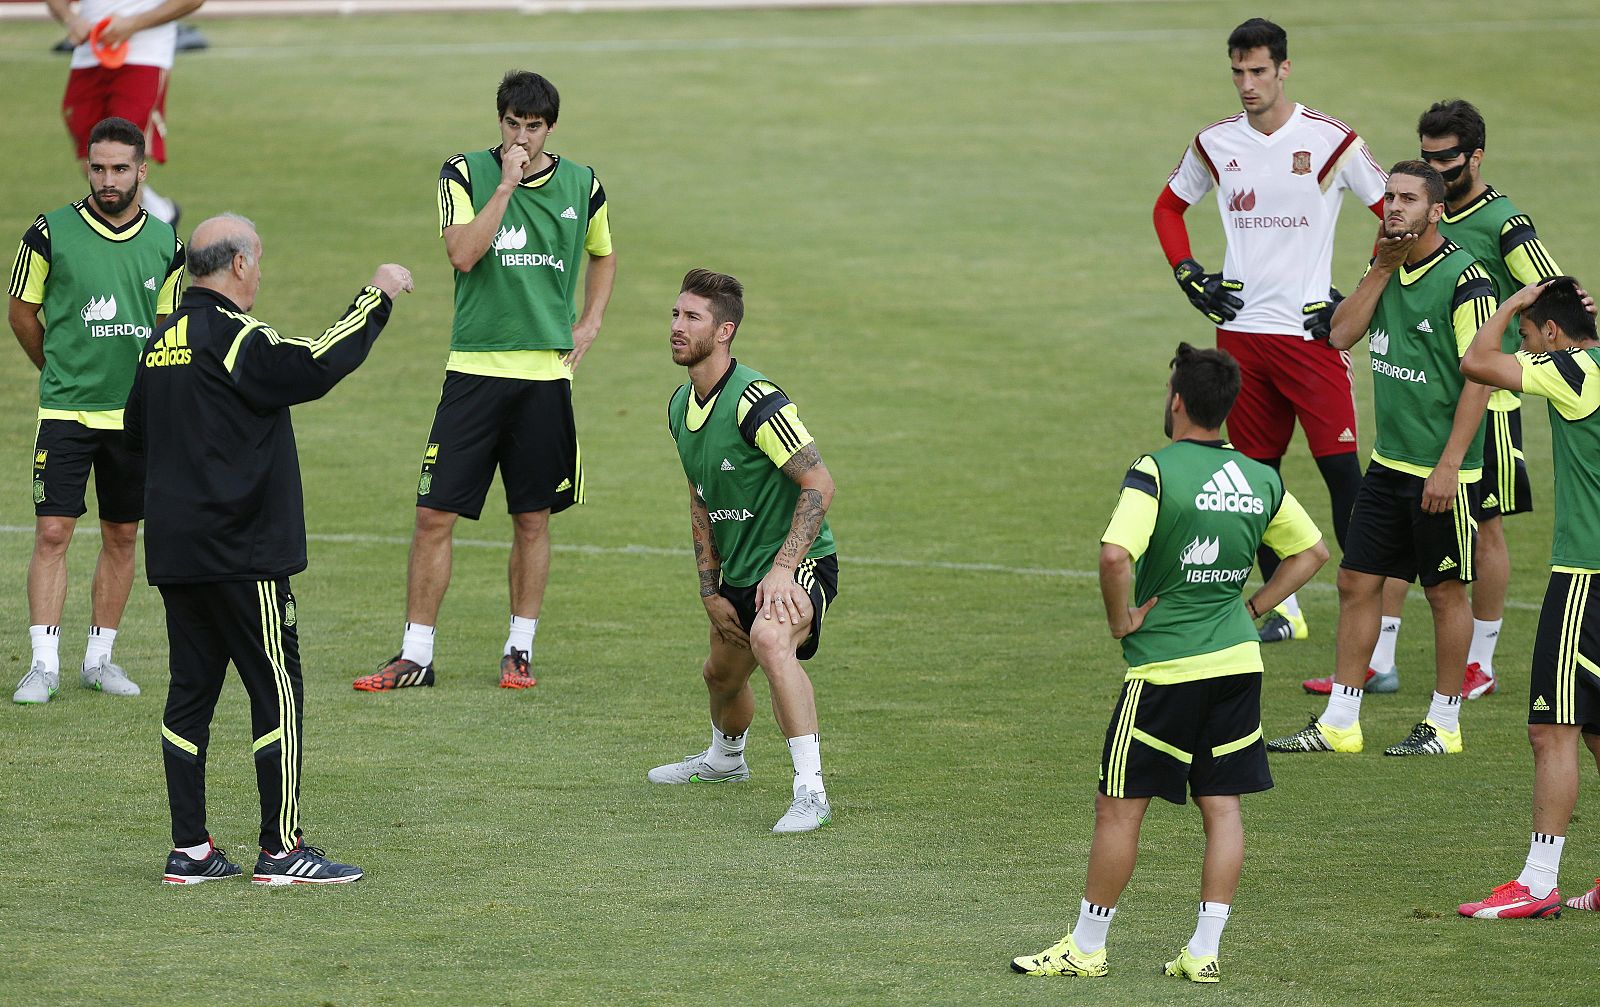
[
  {"x": 1380, "y": 342},
  {"x": 1540, "y": 705},
  {"x": 727, "y": 466},
  {"x": 172, "y": 350},
  {"x": 1491, "y": 500},
  {"x": 1232, "y": 165},
  {"x": 569, "y": 214},
  {"x": 566, "y": 484},
  {"x": 1424, "y": 326},
  {"x": 149, "y": 283},
  {"x": 1346, "y": 437},
  {"x": 1228, "y": 490},
  {"x": 1447, "y": 564}
]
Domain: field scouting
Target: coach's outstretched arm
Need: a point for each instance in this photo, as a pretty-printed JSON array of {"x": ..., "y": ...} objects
[{"x": 1350, "y": 319}]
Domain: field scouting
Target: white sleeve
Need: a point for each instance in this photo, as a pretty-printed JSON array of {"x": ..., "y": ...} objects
[
  {"x": 1361, "y": 175},
  {"x": 1192, "y": 178}
]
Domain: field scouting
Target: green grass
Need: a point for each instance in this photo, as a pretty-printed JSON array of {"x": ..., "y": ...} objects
[{"x": 942, "y": 218}]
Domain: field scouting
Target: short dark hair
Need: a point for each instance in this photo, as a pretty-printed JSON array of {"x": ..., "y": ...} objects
[
  {"x": 1207, "y": 381},
  {"x": 1457, "y": 118},
  {"x": 1561, "y": 304},
  {"x": 525, "y": 93},
  {"x": 119, "y": 130},
  {"x": 1258, "y": 32},
  {"x": 725, "y": 293},
  {"x": 1432, "y": 181}
]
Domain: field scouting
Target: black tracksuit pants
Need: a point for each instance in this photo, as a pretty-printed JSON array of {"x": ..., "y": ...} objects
[{"x": 252, "y": 624}]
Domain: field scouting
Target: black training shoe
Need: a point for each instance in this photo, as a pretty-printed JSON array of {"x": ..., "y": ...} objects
[
  {"x": 183, "y": 869},
  {"x": 303, "y": 865}
]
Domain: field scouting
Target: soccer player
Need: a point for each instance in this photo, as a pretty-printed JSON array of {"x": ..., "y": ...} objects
[
  {"x": 516, "y": 219},
  {"x": 1280, "y": 171},
  {"x": 1487, "y": 224},
  {"x": 1184, "y": 535},
  {"x": 1419, "y": 305},
  {"x": 102, "y": 272},
  {"x": 136, "y": 90},
  {"x": 1560, "y": 362},
  {"x": 758, "y": 493},
  {"x": 209, "y": 410}
]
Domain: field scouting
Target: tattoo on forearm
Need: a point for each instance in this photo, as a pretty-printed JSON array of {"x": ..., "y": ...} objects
[
  {"x": 705, "y": 550},
  {"x": 710, "y": 583},
  {"x": 802, "y": 461},
  {"x": 808, "y": 512}
]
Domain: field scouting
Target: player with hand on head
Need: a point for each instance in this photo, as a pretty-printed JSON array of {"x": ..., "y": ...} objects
[
  {"x": 1189, "y": 719},
  {"x": 1560, "y": 362},
  {"x": 1280, "y": 171},
  {"x": 758, "y": 496},
  {"x": 1419, "y": 304}
]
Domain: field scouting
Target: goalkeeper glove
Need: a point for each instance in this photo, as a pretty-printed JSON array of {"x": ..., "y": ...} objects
[
  {"x": 1208, "y": 292},
  {"x": 1319, "y": 315}
]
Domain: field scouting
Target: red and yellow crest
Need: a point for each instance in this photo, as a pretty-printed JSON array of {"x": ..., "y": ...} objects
[{"x": 1302, "y": 162}]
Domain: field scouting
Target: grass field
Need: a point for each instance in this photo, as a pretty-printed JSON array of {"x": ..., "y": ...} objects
[{"x": 942, "y": 219}]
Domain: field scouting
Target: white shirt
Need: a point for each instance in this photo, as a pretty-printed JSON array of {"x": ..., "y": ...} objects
[
  {"x": 1279, "y": 196},
  {"x": 151, "y": 47}
]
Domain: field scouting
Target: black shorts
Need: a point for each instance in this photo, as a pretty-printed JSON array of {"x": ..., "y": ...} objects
[
  {"x": 1565, "y": 685},
  {"x": 820, "y": 578},
  {"x": 1392, "y": 536},
  {"x": 64, "y": 452},
  {"x": 1505, "y": 489},
  {"x": 523, "y": 428},
  {"x": 1205, "y": 734}
]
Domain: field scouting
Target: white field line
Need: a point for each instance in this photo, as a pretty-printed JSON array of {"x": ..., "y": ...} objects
[
  {"x": 318, "y": 50},
  {"x": 942, "y": 566}
]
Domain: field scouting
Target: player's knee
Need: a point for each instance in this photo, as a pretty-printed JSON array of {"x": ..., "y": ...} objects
[
  {"x": 52, "y": 535},
  {"x": 771, "y": 640},
  {"x": 434, "y": 523},
  {"x": 119, "y": 536},
  {"x": 1546, "y": 739},
  {"x": 1356, "y": 586},
  {"x": 531, "y": 525},
  {"x": 1446, "y": 595}
]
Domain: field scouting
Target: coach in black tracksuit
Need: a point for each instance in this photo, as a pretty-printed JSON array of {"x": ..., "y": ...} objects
[{"x": 225, "y": 523}]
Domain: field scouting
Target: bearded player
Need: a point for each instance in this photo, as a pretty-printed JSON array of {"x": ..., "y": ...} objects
[{"x": 1280, "y": 171}]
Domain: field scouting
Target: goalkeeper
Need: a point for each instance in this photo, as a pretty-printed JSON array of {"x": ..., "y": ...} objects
[{"x": 1280, "y": 171}]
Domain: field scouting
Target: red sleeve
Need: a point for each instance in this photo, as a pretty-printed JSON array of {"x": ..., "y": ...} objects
[
  {"x": 1170, "y": 230},
  {"x": 1377, "y": 209}
]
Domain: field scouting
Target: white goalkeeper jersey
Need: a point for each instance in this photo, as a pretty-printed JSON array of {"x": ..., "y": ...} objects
[
  {"x": 1279, "y": 196},
  {"x": 151, "y": 47}
]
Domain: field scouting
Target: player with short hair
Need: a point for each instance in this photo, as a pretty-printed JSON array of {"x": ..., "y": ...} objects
[
  {"x": 102, "y": 272},
  {"x": 136, "y": 90},
  {"x": 1560, "y": 362},
  {"x": 1184, "y": 537},
  {"x": 516, "y": 221},
  {"x": 1280, "y": 171},
  {"x": 1419, "y": 305},
  {"x": 758, "y": 496},
  {"x": 1487, "y": 224}
]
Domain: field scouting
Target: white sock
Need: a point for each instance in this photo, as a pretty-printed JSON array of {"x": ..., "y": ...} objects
[
  {"x": 1208, "y": 928},
  {"x": 159, "y": 206},
  {"x": 1344, "y": 707},
  {"x": 1291, "y": 605},
  {"x": 1388, "y": 636},
  {"x": 1093, "y": 922},
  {"x": 727, "y": 750},
  {"x": 418, "y": 644},
  {"x": 806, "y": 752},
  {"x": 1544, "y": 861},
  {"x": 1444, "y": 712},
  {"x": 196, "y": 852},
  {"x": 100, "y": 641},
  {"x": 46, "y": 642},
  {"x": 521, "y": 637},
  {"x": 1485, "y": 634}
]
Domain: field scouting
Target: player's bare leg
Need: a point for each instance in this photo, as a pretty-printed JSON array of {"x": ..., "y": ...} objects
[
  {"x": 1452, "y": 634},
  {"x": 47, "y": 569},
  {"x": 1493, "y": 565},
  {"x": 774, "y": 645},
  {"x": 1115, "y": 848},
  {"x": 428, "y": 570},
  {"x": 1360, "y": 610},
  {"x": 1219, "y": 878},
  {"x": 113, "y": 572},
  {"x": 727, "y": 677},
  {"x": 529, "y": 568},
  {"x": 1555, "y": 775}
]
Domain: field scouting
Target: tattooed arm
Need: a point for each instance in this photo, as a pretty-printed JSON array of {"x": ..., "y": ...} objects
[
  {"x": 778, "y": 593},
  {"x": 724, "y": 620}
]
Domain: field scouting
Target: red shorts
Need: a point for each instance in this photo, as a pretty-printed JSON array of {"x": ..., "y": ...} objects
[
  {"x": 1284, "y": 378},
  {"x": 135, "y": 93}
]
